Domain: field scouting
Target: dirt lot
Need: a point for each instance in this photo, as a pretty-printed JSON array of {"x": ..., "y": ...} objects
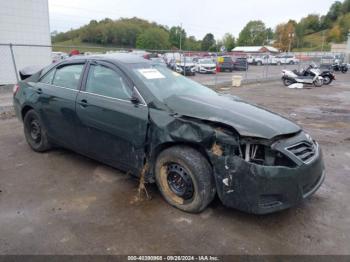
[{"x": 62, "y": 203}]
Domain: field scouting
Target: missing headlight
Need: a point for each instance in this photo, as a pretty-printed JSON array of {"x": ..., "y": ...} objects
[{"x": 264, "y": 155}]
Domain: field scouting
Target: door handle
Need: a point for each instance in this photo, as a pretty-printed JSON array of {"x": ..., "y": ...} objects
[
  {"x": 39, "y": 91},
  {"x": 83, "y": 103}
]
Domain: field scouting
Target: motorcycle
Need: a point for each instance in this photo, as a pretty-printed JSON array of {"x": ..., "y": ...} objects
[
  {"x": 327, "y": 75},
  {"x": 340, "y": 67},
  {"x": 313, "y": 78}
]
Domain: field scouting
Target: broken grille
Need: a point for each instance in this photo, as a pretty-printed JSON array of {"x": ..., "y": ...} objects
[{"x": 303, "y": 151}]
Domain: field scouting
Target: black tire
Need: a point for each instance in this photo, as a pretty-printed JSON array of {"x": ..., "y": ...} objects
[
  {"x": 259, "y": 63},
  {"x": 344, "y": 70},
  {"x": 318, "y": 83},
  {"x": 287, "y": 82},
  {"x": 327, "y": 80},
  {"x": 192, "y": 170},
  {"x": 35, "y": 132},
  {"x": 291, "y": 62}
]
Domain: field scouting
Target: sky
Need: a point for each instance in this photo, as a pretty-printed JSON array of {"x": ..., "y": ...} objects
[{"x": 197, "y": 17}]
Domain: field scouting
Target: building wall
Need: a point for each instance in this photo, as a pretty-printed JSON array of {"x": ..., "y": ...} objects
[{"x": 23, "y": 22}]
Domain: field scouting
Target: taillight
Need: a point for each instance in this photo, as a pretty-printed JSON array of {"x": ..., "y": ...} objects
[{"x": 15, "y": 89}]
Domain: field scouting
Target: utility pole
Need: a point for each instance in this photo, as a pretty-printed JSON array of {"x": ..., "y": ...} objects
[
  {"x": 348, "y": 48},
  {"x": 180, "y": 35},
  {"x": 291, "y": 36},
  {"x": 323, "y": 40}
]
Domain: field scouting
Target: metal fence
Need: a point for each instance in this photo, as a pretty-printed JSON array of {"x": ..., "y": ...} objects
[{"x": 14, "y": 57}]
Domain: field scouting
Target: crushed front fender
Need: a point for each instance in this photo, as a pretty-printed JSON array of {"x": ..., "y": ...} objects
[{"x": 262, "y": 189}]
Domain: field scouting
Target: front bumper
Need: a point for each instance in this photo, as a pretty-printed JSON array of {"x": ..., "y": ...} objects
[
  {"x": 265, "y": 189},
  {"x": 207, "y": 70}
]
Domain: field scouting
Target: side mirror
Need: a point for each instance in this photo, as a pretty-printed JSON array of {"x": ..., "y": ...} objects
[{"x": 135, "y": 97}]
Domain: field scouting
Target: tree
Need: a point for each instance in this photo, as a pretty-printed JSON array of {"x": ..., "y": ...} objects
[
  {"x": 176, "y": 34},
  {"x": 284, "y": 35},
  {"x": 335, "y": 10},
  {"x": 193, "y": 44},
  {"x": 310, "y": 24},
  {"x": 253, "y": 34},
  {"x": 346, "y": 6},
  {"x": 208, "y": 42},
  {"x": 228, "y": 41},
  {"x": 153, "y": 38}
]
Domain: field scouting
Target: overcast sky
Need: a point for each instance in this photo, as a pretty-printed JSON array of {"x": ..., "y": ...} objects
[{"x": 198, "y": 17}]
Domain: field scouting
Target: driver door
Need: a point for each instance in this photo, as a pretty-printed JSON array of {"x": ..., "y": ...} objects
[{"x": 111, "y": 128}]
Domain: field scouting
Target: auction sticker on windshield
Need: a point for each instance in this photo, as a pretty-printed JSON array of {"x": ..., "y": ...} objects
[{"x": 151, "y": 73}]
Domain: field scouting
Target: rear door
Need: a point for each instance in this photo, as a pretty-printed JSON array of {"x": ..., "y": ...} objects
[
  {"x": 57, "y": 91},
  {"x": 111, "y": 127}
]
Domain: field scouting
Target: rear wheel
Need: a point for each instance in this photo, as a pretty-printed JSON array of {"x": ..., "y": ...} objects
[
  {"x": 184, "y": 177},
  {"x": 35, "y": 132},
  {"x": 327, "y": 80}
]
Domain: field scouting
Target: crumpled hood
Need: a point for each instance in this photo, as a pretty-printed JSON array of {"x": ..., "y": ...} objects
[{"x": 247, "y": 119}]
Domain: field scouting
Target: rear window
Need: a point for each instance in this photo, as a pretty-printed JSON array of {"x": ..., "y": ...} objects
[
  {"x": 68, "y": 76},
  {"x": 227, "y": 59}
]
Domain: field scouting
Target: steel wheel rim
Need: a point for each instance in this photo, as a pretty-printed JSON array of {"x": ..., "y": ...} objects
[
  {"x": 179, "y": 181},
  {"x": 35, "y": 130}
]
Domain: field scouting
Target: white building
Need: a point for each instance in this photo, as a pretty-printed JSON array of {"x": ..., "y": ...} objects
[
  {"x": 255, "y": 49},
  {"x": 23, "y": 22}
]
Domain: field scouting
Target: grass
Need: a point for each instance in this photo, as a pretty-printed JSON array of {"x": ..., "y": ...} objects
[
  {"x": 313, "y": 42},
  {"x": 67, "y": 46}
]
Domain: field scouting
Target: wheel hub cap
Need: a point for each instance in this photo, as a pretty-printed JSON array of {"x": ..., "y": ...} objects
[
  {"x": 35, "y": 131},
  {"x": 179, "y": 181}
]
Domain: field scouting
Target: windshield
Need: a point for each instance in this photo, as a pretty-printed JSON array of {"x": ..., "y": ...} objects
[
  {"x": 206, "y": 61},
  {"x": 187, "y": 60},
  {"x": 164, "y": 83}
]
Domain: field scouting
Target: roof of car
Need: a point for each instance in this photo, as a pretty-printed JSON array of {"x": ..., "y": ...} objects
[{"x": 125, "y": 58}]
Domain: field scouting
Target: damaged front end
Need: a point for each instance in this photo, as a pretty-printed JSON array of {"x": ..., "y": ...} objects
[{"x": 263, "y": 176}]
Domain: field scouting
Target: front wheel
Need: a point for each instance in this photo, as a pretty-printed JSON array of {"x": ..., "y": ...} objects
[
  {"x": 344, "y": 70},
  {"x": 318, "y": 82},
  {"x": 35, "y": 132},
  {"x": 184, "y": 178},
  {"x": 287, "y": 82}
]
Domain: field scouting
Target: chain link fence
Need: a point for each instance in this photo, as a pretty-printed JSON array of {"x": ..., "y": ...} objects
[{"x": 208, "y": 68}]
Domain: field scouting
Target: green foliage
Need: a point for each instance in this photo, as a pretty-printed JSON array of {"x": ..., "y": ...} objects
[
  {"x": 153, "y": 38},
  {"x": 253, "y": 34},
  {"x": 193, "y": 44},
  {"x": 310, "y": 24},
  {"x": 208, "y": 43},
  {"x": 228, "y": 41},
  {"x": 122, "y": 32},
  {"x": 176, "y": 33}
]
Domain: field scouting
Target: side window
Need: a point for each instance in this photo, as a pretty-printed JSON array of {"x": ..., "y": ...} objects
[
  {"x": 68, "y": 76},
  {"x": 47, "y": 79},
  {"x": 107, "y": 82}
]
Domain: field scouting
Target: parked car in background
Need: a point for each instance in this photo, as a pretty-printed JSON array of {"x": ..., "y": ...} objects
[
  {"x": 285, "y": 60},
  {"x": 193, "y": 142},
  {"x": 205, "y": 65},
  {"x": 260, "y": 60},
  {"x": 158, "y": 60},
  {"x": 240, "y": 63},
  {"x": 185, "y": 66},
  {"x": 58, "y": 56},
  {"x": 225, "y": 63},
  {"x": 171, "y": 63}
]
